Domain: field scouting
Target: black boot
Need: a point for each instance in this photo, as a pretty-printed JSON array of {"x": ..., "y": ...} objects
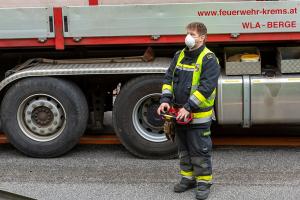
[
  {"x": 203, "y": 190},
  {"x": 184, "y": 185}
]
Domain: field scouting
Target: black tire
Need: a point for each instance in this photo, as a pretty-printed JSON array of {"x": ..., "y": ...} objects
[
  {"x": 71, "y": 102},
  {"x": 131, "y": 93}
]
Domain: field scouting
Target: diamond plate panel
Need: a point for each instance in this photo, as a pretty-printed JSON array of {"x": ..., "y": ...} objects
[
  {"x": 158, "y": 66},
  {"x": 240, "y": 68},
  {"x": 288, "y": 59},
  {"x": 290, "y": 66}
]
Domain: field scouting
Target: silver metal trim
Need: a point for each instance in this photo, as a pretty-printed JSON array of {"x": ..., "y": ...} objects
[
  {"x": 219, "y": 103},
  {"x": 185, "y": 69},
  {"x": 194, "y": 99},
  {"x": 166, "y": 91},
  {"x": 246, "y": 102},
  {"x": 201, "y": 120},
  {"x": 158, "y": 66}
]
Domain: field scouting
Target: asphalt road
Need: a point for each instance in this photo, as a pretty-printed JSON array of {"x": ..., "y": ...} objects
[{"x": 110, "y": 172}]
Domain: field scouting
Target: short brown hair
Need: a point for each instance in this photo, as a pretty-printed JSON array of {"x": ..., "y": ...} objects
[{"x": 198, "y": 26}]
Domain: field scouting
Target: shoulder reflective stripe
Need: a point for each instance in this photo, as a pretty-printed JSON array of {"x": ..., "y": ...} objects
[
  {"x": 167, "y": 87},
  {"x": 202, "y": 114},
  {"x": 186, "y": 173},
  {"x": 166, "y": 92},
  {"x": 185, "y": 69},
  {"x": 201, "y": 120},
  {"x": 204, "y": 178}
]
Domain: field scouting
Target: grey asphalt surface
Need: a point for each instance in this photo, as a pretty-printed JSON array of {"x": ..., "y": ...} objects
[{"x": 111, "y": 172}]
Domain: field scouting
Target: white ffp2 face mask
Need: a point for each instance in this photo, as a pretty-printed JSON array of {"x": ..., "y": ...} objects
[{"x": 190, "y": 41}]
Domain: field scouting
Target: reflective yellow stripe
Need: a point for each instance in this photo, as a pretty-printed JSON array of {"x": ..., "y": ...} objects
[
  {"x": 207, "y": 133},
  {"x": 186, "y": 173},
  {"x": 180, "y": 57},
  {"x": 210, "y": 100},
  {"x": 196, "y": 96},
  {"x": 167, "y": 87},
  {"x": 199, "y": 96},
  {"x": 197, "y": 72},
  {"x": 186, "y": 66},
  {"x": 202, "y": 114},
  {"x": 204, "y": 178},
  {"x": 201, "y": 120}
]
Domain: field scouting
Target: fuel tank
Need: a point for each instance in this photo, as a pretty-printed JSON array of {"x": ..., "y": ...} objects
[{"x": 250, "y": 100}]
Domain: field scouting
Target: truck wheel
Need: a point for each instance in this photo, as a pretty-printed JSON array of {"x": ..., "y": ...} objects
[
  {"x": 44, "y": 116},
  {"x": 136, "y": 122}
]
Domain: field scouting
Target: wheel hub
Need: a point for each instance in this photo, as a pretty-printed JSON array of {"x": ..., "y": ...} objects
[
  {"x": 152, "y": 117},
  {"x": 41, "y": 117},
  {"x": 146, "y": 121}
]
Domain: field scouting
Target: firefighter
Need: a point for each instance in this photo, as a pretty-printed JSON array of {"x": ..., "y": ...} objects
[{"x": 190, "y": 86}]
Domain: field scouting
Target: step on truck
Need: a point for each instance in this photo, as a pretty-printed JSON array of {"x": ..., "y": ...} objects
[{"x": 65, "y": 63}]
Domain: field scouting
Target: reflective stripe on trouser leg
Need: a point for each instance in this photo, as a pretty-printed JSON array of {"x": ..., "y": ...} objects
[
  {"x": 205, "y": 179},
  {"x": 185, "y": 161},
  {"x": 202, "y": 165},
  {"x": 200, "y": 150},
  {"x": 184, "y": 156},
  {"x": 186, "y": 173}
]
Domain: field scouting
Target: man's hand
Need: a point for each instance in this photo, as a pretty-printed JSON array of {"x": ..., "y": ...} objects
[
  {"x": 164, "y": 107},
  {"x": 182, "y": 114}
]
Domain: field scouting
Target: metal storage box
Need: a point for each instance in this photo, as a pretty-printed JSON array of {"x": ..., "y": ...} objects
[
  {"x": 288, "y": 59},
  {"x": 241, "y": 68}
]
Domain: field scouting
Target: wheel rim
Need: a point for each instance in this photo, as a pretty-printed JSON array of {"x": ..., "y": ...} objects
[
  {"x": 41, "y": 117},
  {"x": 145, "y": 119}
]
